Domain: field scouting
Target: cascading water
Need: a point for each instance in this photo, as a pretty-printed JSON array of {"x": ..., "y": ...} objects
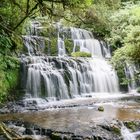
[
  {"x": 32, "y": 41},
  {"x": 130, "y": 71},
  {"x": 85, "y": 40},
  {"x": 127, "y": 135},
  {"x": 65, "y": 77},
  {"x": 60, "y": 43}
]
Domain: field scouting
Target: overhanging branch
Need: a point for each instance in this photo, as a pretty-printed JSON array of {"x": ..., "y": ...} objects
[{"x": 22, "y": 20}]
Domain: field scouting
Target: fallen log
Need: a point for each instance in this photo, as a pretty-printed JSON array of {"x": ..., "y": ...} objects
[
  {"x": 3, "y": 131},
  {"x": 11, "y": 134}
]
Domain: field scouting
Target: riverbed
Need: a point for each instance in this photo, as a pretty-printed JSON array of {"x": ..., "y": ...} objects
[{"x": 78, "y": 115}]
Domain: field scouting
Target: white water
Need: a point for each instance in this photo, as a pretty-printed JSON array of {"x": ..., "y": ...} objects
[
  {"x": 64, "y": 77},
  {"x": 127, "y": 135},
  {"x": 130, "y": 71},
  {"x": 87, "y": 43},
  {"x": 61, "y": 47},
  {"x": 32, "y": 41}
]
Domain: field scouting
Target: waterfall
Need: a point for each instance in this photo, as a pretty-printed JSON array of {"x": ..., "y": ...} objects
[
  {"x": 61, "y": 47},
  {"x": 32, "y": 41},
  {"x": 65, "y": 77},
  {"x": 130, "y": 71}
]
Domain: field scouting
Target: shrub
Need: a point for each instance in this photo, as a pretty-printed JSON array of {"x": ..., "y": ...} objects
[{"x": 80, "y": 54}]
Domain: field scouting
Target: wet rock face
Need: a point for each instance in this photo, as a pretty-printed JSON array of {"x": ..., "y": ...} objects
[
  {"x": 54, "y": 126},
  {"x": 104, "y": 131}
]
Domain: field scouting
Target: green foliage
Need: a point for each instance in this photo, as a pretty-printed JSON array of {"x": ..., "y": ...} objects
[
  {"x": 5, "y": 43},
  {"x": 94, "y": 17},
  {"x": 118, "y": 21},
  {"x": 53, "y": 48},
  {"x": 80, "y": 54},
  {"x": 9, "y": 73},
  {"x": 125, "y": 38},
  {"x": 116, "y": 130},
  {"x": 138, "y": 89},
  {"x": 68, "y": 46},
  {"x": 131, "y": 125},
  {"x": 125, "y": 24},
  {"x": 78, "y": 3}
]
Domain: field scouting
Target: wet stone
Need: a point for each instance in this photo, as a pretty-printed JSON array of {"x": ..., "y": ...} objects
[
  {"x": 56, "y": 136},
  {"x": 28, "y": 131},
  {"x": 101, "y": 108}
]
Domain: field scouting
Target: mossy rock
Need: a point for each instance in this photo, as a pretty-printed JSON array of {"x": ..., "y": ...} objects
[
  {"x": 56, "y": 136},
  {"x": 48, "y": 32},
  {"x": 131, "y": 125},
  {"x": 80, "y": 54},
  {"x": 47, "y": 49},
  {"x": 44, "y": 32},
  {"x": 68, "y": 46},
  {"x": 53, "y": 48},
  {"x": 116, "y": 130},
  {"x": 101, "y": 108}
]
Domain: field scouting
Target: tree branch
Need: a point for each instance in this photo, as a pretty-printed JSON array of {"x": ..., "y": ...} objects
[
  {"x": 5, "y": 28},
  {"x": 27, "y": 7},
  {"x": 22, "y": 20},
  {"x": 15, "y": 3}
]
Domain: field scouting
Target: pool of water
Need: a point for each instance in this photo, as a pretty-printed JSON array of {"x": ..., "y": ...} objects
[{"x": 72, "y": 115}]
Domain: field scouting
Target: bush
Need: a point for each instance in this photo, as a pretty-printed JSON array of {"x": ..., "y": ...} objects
[
  {"x": 68, "y": 46},
  {"x": 9, "y": 74},
  {"x": 80, "y": 54}
]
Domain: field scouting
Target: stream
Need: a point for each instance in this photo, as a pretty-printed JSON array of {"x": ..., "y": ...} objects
[{"x": 79, "y": 116}]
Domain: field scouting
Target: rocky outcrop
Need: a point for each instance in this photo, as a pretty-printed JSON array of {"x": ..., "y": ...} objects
[{"x": 104, "y": 131}]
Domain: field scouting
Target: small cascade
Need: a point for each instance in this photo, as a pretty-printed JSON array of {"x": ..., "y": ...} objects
[
  {"x": 127, "y": 135},
  {"x": 87, "y": 43},
  {"x": 60, "y": 41},
  {"x": 131, "y": 71},
  {"x": 61, "y": 47},
  {"x": 34, "y": 43}
]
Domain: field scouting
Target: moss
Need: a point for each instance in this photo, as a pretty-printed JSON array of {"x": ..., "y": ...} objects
[
  {"x": 101, "y": 108},
  {"x": 116, "y": 130},
  {"x": 131, "y": 125},
  {"x": 48, "y": 31},
  {"x": 80, "y": 54},
  {"x": 68, "y": 46},
  {"x": 47, "y": 49},
  {"x": 44, "y": 32},
  {"x": 56, "y": 136},
  {"x": 53, "y": 48}
]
